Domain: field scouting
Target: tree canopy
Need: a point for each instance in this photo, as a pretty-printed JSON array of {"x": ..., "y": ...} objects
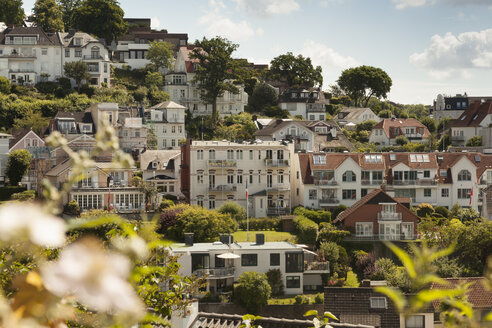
[
  {"x": 103, "y": 18},
  {"x": 253, "y": 290},
  {"x": 263, "y": 95},
  {"x": 295, "y": 71},
  {"x": 11, "y": 12},
  {"x": 48, "y": 15},
  {"x": 76, "y": 70},
  {"x": 68, "y": 8},
  {"x": 217, "y": 72},
  {"x": 363, "y": 82},
  {"x": 160, "y": 54},
  {"x": 17, "y": 165}
]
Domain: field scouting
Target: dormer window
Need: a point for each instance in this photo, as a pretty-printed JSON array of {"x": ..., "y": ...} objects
[
  {"x": 154, "y": 165},
  {"x": 378, "y": 302},
  {"x": 77, "y": 41}
]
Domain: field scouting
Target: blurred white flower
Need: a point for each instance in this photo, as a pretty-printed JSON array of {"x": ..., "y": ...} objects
[
  {"x": 21, "y": 220},
  {"x": 133, "y": 246},
  {"x": 96, "y": 278}
]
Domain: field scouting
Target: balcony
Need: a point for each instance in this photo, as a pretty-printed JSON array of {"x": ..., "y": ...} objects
[
  {"x": 328, "y": 200},
  {"x": 413, "y": 136},
  {"x": 372, "y": 183},
  {"x": 276, "y": 211},
  {"x": 404, "y": 182},
  {"x": 316, "y": 109},
  {"x": 382, "y": 237},
  {"x": 485, "y": 182},
  {"x": 427, "y": 181},
  {"x": 276, "y": 162},
  {"x": 22, "y": 70},
  {"x": 278, "y": 187},
  {"x": 457, "y": 138},
  {"x": 316, "y": 267},
  {"x": 222, "y": 163},
  {"x": 215, "y": 273},
  {"x": 91, "y": 57},
  {"x": 389, "y": 216},
  {"x": 222, "y": 188},
  {"x": 320, "y": 182}
]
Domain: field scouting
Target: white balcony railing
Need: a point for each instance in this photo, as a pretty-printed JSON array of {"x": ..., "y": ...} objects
[{"x": 389, "y": 216}]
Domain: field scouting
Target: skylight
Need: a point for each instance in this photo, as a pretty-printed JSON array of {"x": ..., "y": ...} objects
[
  {"x": 319, "y": 159},
  {"x": 419, "y": 158},
  {"x": 426, "y": 158},
  {"x": 373, "y": 158},
  {"x": 392, "y": 157}
]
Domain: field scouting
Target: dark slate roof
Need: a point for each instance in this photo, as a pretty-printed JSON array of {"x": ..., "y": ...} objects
[
  {"x": 474, "y": 114},
  {"x": 17, "y": 136},
  {"x": 48, "y": 39},
  {"x": 79, "y": 117}
]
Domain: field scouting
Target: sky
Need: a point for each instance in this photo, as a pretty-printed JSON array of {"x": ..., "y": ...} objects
[{"x": 427, "y": 47}]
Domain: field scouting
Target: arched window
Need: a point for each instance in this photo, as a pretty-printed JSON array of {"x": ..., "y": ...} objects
[
  {"x": 95, "y": 52},
  {"x": 464, "y": 175},
  {"x": 349, "y": 176}
]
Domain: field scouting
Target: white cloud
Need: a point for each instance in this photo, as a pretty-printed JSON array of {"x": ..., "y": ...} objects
[
  {"x": 331, "y": 61},
  {"x": 402, "y": 4},
  {"x": 267, "y": 7},
  {"x": 451, "y": 55},
  {"x": 155, "y": 23},
  {"x": 216, "y": 23}
]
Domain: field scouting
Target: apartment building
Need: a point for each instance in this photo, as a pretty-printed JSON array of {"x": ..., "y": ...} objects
[
  {"x": 181, "y": 89},
  {"x": 30, "y": 55},
  {"x": 476, "y": 117},
  {"x": 385, "y": 132},
  {"x": 162, "y": 168},
  {"x": 213, "y": 172},
  {"x": 308, "y": 103},
  {"x": 223, "y": 262},
  {"x": 440, "y": 179},
  {"x": 167, "y": 122}
]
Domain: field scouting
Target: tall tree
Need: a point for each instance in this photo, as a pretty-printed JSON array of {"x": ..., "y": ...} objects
[
  {"x": 160, "y": 54},
  {"x": 68, "y": 8},
  {"x": 76, "y": 70},
  {"x": 103, "y": 18},
  {"x": 48, "y": 15},
  {"x": 295, "y": 71},
  {"x": 217, "y": 72},
  {"x": 11, "y": 12},
  {"x": 18, "y": 163},
  {"x": 363, "y": 82}
]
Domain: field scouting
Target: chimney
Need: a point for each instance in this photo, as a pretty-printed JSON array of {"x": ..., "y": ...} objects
[
  {"x": 366, "y": 283},
  {"x": 189, "y": 239},
  {"x": 226, "y": 239},
  {"x": 260, "y": 239},
  {"x": 71, "y": 31}
]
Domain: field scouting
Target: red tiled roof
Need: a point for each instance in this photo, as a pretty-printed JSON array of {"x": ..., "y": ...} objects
[
  {"x": 478, "y": 295},
  {"x": 474, "y": 114},
  {"x": 389, "y": 124}
]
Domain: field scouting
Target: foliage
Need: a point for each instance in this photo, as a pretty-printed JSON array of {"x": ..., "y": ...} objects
[
  {"x": 475, "y": 141},
  {"x": 430, "y": 123},
  {"x": 275, "y": 112},
  {"x": 263, "y": 95},
  {"x": 444, "y": 142},
  {"x": 68, "y": 8},
  {"x": 235, "y": 127},
  {"x": 301, "y": 299},
  {"x": 32, "y": 120},
  {"x": 316, "y": 216},
  {"x": 26, "y": 195},
  {"x": 449, "y": 268},
  {"x": 156, "y": 96},
  {"x": 207, "y": 225},
  {"x": 72, "y": 208},
  {"x": 103, "y": 18},
  {"x": 424, "y": 210},
  {"x": 330, "y": 252},
  {"x": 443, "y": 211},
  {"x": 295, "y": 71},
  {"x": 363, "y": 82},
  {"x": 18, "y": 164},
  {"x": 11, "y": 12},
  {"x": 236, "y": 211},
  {"x": 165, "y": 203},
  {"x": 140, "y": 94},
  {"x": 217, "y": 71},
  {"x": 401, "y": 140},
  {"x": 149, "y": 190},
  {"x": 365, "y": 126},
  {"x": 154, "y": 80},
  {"x": 306, "y": 230},
  {"x": 76, "y": 70},
  {"x": 364, "y": 264},
  {"x": 160, "y": 54},
  {"x": 339, "y": 209},
  {"x": 169, "y": 217},
  {"x": 328, "y": 232},
  {"x": 260, "y": 224},
  {"x": 48, "y": 15},
  {"x": 4, "y": 85},
  {"x": 275, "y": 281},
  {"x": 252, "y": 291},
  {"x": 152, "y": 141},
  {"x": 319, "y": 298}
]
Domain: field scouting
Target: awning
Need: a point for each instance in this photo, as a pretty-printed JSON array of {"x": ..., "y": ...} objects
[{"x": 228, "y": 256}]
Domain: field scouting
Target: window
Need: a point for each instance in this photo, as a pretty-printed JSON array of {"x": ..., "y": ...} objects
[
  {"x": 363, "y": 229},
  {"x": 444, "y": 192},
  {"x": 211, "y": 203},
  {"x": 313, "y": 194},
  {"x": 94, "y": 52},
  {"x": 199, "y": 201},
  {"x": 443, "y": 173},
  {"x": 293, "y": 281},
  {"x": 464, "y": 193},
  {"x": 67, "y": 52},
  {"x": 182, "y": 93},
  {"x": 294, "y": 262},
  {"x": 259, "y": 176},
  {"x": 349, "y": 176},
  {"x": 373, "y": 158},
  {"x": 280, "y": 177},
  {"x": 251, "y": 155},
  {"x": 274, "y": 259},
  {"x": 240, "y": 177},
  {"x": 426, "y": 174},
  {"x": 464, "y": 175},
  {"x": 78, "y": 53},
  {"x": 249, "y": 259},
  {"x": 378, "y": 302},
  {"x": 427, "y": 192},
  {"x": 105, "y": 67},
  {"x": 219, "y": 263},
  {"x": 239, "y": 154},
  {"x": 349, "y": 194},
  {"x": 230, "y": 154},
  {"x": 200, "y": 261},
  {"x": 269, "y": 154},
  {"x": 230, "y": 177},
  {"x": 280, "y": 154},
  {"x": 415, "y": 321},
  {"x": 211, "y": 154},
  {"x": 44, "y": 51},
  {"x": 363, "y": 192},
  {"x": 319, "y": 159},
  {"x": 199, "y": 154}
]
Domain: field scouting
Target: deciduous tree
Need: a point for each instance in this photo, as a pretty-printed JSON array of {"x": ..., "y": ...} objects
[
  {"x": 76, "y": 70},
  {"x": 263, "y": 95},
  {"x": 295, "y": 71},
  {"x": 48, "y": 15},
  {"x": 68, "y": 8},
  {"x": 18, "y": 163},
  {"x": 11, "y": 12},
  {"x": 160, "y": 54},
  {"x": 252, "y": 291},
  {"x": 363, "y": 82}
]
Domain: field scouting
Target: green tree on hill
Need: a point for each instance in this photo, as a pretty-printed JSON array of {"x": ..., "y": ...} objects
[{"x": 48, "y": 15}]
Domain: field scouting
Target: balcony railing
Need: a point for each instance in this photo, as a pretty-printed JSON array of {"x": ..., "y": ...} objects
[
  {"x": 457, "y": 138},
  {"x": 414, "y": 136},
  {"x": 382, "y": 237},
  {"x": 404, "y": 182},
  {"x": 215, "y": 272},
  {"x": 427, "y": 181},
  {"x": 316, "y": 266},
  {"x": 92, "y": 57},
  {"x": 278, "y": 211},
  {"x": 22, "y": 70},
  {"x": 329, "y": 200},
  {"x": 221, "y": 188},
  {"x": 278, "y": 187},
  {"x": 321, "y": 182},
  {"x": 276, "y": 162},
  {"x": 389, "y": 216},
  {"x": 222, "y": 163},
  {"x": 373, "y": 182}
]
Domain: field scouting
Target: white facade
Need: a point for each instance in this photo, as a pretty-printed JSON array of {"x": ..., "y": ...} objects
[
  {"x": 297, "y": 273},
  {"x": 356, "y": 115},
  {"x": 219, "y": 172},
  {"x": 4, "y": 154},
  {"x": 167, "y": 121},
  {"x": 162, "y": 168},
  {"x": 310, "y": 104}
]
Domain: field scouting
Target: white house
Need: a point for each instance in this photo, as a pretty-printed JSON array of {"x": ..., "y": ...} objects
[
  {"x": 310, "y": 104},
  {"x": 162, "y": 168},
  {"x": 299, "y": 274},
  {"x": 470, "y": 123},
  {"x": 356, "y": 115},
  {"x": 4, "y": 154},
  {"x": 385, "y": 132},
  {"x": 167, "y": 122}
]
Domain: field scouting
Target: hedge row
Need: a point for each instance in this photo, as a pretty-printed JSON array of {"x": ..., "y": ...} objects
[
  {"x": 7, "y": 192},
  {"x": 306, "y": 230},
  {"x": 259, "y": 224}
]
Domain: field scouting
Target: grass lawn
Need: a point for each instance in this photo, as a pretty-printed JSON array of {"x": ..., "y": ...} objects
[{"x": 240, "y": 236}]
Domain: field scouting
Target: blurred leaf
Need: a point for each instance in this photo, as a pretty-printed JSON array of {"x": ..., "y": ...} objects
[
  {"x": 310, "y": 313},
  {"x": 404, "y": 258},
  {"x": 395, "y": 295},
  {"x": 330, "y": 315}
]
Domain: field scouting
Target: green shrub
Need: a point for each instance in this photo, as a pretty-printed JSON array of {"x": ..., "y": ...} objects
[
  {"x": 319, "y": 298},
  {"x": 425, "y": 210},
  {"x": 236, "y": 211},
  {"x": 72, "y": 208},
  {"x": 306, "y": 230},
  {"x": 7, "y": 192},
  {"x": 339, "y": 209},
  {"x": 4, "y": 85},
  {"x": 328, "y": 232},
  {"x": 165, "y": 203},
  {"x": 275, "y": 281},
  {"x": 316, "y": 216},
  {"x": 26, "y": 195},
  {"x": 261, "y": 224},
  {"x": 443, "y": 211},
  {"x": 252, "y": 291}
]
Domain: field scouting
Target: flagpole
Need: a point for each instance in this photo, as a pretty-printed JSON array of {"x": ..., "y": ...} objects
[{"x": 247, "y": 212}]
